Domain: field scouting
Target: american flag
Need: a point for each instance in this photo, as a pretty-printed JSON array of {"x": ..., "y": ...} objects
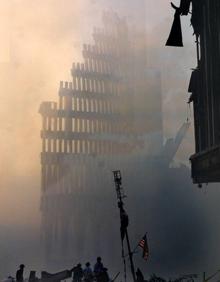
[{"x": 144, "y": 245}]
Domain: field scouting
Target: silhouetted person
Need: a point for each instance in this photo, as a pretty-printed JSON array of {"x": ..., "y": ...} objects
[
  {"x": 77, "y": 273},
  {"x": 19, "y": 273},
  {"x": 98, "y": 269},
  {"x": 88, "y": 274},
  {"x": 139, "y": 276}
]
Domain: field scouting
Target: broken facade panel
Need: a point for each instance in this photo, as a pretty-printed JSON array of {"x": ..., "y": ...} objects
[{"x": 107, "y": 116}]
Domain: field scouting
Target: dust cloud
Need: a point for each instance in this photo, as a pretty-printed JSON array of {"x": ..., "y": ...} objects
[{"x": 40, "y": 40}]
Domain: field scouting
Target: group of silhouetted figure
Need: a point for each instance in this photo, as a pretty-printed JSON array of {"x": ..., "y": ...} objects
[{"x": 99, "y": 273}]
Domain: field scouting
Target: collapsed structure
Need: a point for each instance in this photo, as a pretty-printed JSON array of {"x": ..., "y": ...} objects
[{"x": 107, "y": 116}]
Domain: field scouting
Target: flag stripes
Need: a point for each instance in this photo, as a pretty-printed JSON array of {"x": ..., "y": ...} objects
[{"x": 144, "y": 245}]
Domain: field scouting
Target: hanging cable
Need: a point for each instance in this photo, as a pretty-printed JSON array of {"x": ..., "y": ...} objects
[{"x": 188, "y": 112}]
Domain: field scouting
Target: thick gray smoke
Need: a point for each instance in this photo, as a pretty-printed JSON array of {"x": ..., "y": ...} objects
[{"x": 181, "y": 221}]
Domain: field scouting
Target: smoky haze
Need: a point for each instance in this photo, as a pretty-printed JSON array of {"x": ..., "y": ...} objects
[{"x": 40, "y": 40}]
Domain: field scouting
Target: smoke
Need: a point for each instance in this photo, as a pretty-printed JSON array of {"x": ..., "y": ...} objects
[{"x": 41, "y": 40}]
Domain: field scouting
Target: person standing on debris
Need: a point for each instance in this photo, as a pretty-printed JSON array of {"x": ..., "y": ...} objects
[
  {"x": 77, "y": 273},
  {"x": 88, "y": 274},
  {"x": 98, "y": 269},
  {"x": 19, "y": 273}
]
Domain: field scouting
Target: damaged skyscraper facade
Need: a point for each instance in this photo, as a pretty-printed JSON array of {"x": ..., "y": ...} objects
[
  {"x": 108, "y": 117},
  {"x": 204, "y": 85},
  {"x": 205, "y": 88}
]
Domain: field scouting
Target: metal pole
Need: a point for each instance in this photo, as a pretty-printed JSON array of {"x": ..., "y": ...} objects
[
  {"x": 203, "y": 276},
  {"x": 120, "y": 196},
  {"x": 130, "y": 256},
  {"x": 210, "y": 277}
]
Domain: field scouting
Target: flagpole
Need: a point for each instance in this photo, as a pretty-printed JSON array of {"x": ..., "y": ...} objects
[
  {"x": 124, "y": 261},
  {"x": 130, "y": 253},
  {"x": 124, "y": 231}
]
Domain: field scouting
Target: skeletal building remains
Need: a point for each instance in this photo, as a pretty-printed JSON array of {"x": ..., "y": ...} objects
[{"x": 107, "y": 116}]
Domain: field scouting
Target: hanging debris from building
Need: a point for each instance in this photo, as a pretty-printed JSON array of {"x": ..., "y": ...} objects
[{"x": 175, "y": 38}]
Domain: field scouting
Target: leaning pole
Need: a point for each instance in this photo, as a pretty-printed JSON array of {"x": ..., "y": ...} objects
[{"x": 123, "y": 218}]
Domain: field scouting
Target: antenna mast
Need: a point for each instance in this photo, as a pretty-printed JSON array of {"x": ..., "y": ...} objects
[{"x": 123, "y": 217}]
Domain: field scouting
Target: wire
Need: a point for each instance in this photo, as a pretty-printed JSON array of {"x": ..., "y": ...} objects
[{"x": 188, "y": 113}]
